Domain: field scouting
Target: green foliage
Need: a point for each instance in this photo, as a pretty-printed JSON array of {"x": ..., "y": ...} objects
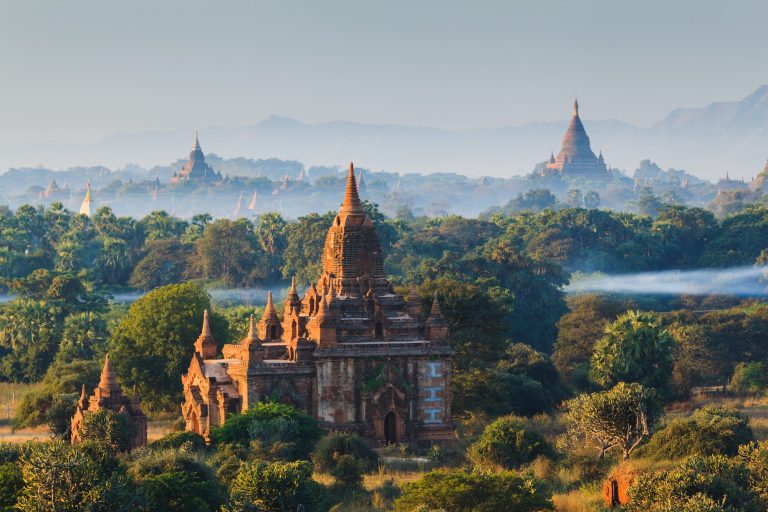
[
  {"x": 114, "y": 429},
  {"x": 709, "y": 431},
  {"x": 508, "y": 443},
  {"x": 11, "y": 485},
  {"x": 523, "y": 381},
  {"x": 712, "y": 483},
  {"x": 154, "y": 342},
  {"x": 345, "y": 456},
  {"x": 164, "y": 263},
  {"x": 749, "y": 378},
  {"x": 227, "y": 252},
  {"x": 271, "y": 424},
  {"x": 635, "y": 348},
  {"x": 186, "y": 440},
  {"x": 60, "y": 414},
  {"x": 621, "y": 417},
  {"x": 60, "y": 379},
  {"x": 462, "y": 491},
  {"x": 59, "y": 477},
  {"x": 755, "y": 457},
  {"x": 304, "y": 246},
  {"x": 176, "y": 480},
  {"x": 276, "y": 487}
]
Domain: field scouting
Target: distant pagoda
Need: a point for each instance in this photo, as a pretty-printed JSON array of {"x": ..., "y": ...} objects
[
  {"x": 87, "y": 207},
  {"x": 576, "y": 157},
  {"x": 196, "y": 169}
]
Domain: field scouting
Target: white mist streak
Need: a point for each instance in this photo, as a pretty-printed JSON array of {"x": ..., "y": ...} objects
[{"x": 739, "y": 281}]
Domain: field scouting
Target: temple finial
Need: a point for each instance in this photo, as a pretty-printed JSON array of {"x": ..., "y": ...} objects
[
  {"x": 196, "y": 145},
  {"x": 108, "y": 381},
  {"x": 252, "y": 328},
  {"x": 351, "y": 202},
  {"x": 576, "y": 107},
  {"x": 293, "y": 286}
]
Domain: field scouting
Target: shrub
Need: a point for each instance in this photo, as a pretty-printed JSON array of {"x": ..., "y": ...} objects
[
  {"x": 508, "y": 443},
  {"x": 114, "y": 429},
  {"x": 60, "y": 414},
  {"x": 462, "y": 491},
  {"x": 330, "y": 447},
  {"x": 11, "y": 485},
  {"x": 276, "y": 487},
  {"x": 709, "y": 431},
  {"x": 749, "y": 378},
  {"x": 188, "y": 440},
  {"x": 271, "y": 424},
  {"x": 175, "y": 480},
  {"x": 698, "y": 482}
]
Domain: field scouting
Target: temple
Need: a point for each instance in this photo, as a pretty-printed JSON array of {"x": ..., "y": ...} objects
[
  {"x": 576, "y": 157},
  {"x": 350, "y": 351},
  {"x": 195, "y": 169},
  {"x": 108, "y": 395}
]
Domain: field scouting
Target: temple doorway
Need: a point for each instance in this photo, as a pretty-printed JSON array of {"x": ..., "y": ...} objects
[{"x": 390, "y": 428}]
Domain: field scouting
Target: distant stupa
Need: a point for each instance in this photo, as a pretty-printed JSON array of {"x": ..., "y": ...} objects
[
  {"x": 87, "y": 207},
  {"x": 239, "y": 205},
  {"x": 252, "y": 204},
  {"x": 576, "y": 157}
]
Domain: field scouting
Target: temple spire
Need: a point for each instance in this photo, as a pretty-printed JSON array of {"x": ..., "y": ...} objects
[
  {"x": 251, "y": 329},
  {"x": 87, "y": 205},
  {"x": 206, "y": 331},
  {"x": 269, "y": 310},
  {"x": 576, "y": 107},
  {"x": 108, "y": 382},
  {"x": 196, "y": 145},
  {"x": 351, "y": 202},
  {"x": 293, "y": 287}
]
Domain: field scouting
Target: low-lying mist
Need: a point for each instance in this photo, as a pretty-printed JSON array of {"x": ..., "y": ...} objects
[{"x": 748, "y": 281}]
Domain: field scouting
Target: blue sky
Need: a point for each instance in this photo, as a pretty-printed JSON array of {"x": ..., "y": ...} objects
[{"x": 80, "y": 70}]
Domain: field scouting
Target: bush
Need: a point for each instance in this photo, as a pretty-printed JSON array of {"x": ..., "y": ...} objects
[
  {"x": 709, "y": 431},
  {"x": 332, "y": 446},
  {"x": 188, "y": 440},
  {"x": 508, "y": 443},
  {"x": 694, "y": 486},
  {"x": 60, "y": 414},
  {"x": 175, "y": 480},
  {"x": 114, "y": 429},
  {"x": 749, "y": 378},
  {"x": 462, "y": 491},
  {"x": 276, "y": 487},
  {"x": 11, "y": 485},
  {"x": 272, "y": 425}
]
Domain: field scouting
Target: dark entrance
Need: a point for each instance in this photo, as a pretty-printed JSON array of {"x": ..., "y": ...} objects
[{"x": 390, "y": 428}]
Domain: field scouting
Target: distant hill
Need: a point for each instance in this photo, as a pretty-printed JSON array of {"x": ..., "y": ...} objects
[{"x": 710, "y": 141}]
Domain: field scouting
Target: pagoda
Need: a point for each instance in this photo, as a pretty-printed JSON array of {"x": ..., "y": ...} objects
[
  {"x": 87, "y": 207},
  {"x": 196, "y": 169},
  {"x": 350, "y": 352},
  {"x": 576, "y": 157},
  {"x": 108, "y": 395}
]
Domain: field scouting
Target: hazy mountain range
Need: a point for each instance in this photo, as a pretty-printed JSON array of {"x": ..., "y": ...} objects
[{"x": 709, "y": 141}]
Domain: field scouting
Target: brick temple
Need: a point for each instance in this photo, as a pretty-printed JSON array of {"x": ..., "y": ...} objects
[
  {"x": 350, "y": 351},
  {"x": 195, "y": 168},
  {"x": 576, "y": 157},
  {"x": 108, "y": 395}
]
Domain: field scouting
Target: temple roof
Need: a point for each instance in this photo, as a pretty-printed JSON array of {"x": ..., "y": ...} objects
[
  {"x": 108, "y": 385},
  {"x": 576, "y": 145}
]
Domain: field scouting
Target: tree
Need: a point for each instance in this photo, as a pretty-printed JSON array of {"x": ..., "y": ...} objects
[
  {"x": 226, "y": 252},
  {"x": 84, "y": 335},
  {"x": 276, "y": 487},
  {"x": 154, "y": 342},
  {"x": 273, "y": 425},
  {"x": 621, "y": 417},
  {"x": 749, "y": 377},
  {"x": 345, "y": 456},
  {"x": 648, "y": 203},
  {"x": 523, "y": 381},
  {"x": 591, "y": 200},
  {"x": 176, "y": 481},
  {"x": 305, "y": 239},
  {"x": 114, "y": 429},
  {"x": 159, "y": 225},
  {"x": 709, "y": 431},
  {"x": 574, "y": 198},
  {"x": 698, "y": 484},
  {"x": 577, "y": 333},
  {"x": 271, "y": 235},
  {"x": 29, "y": 333},
  {"x": 461, "y": 491},
  {"x": 164, "y": 263},
  {"x": 507, "y": 443},
  {"x": 635, "y": 348}
]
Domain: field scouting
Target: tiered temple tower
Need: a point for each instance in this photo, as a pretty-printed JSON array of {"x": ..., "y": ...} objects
[
  {"x": 350, "y": 352},
  {"x": 196, "y": 168},
  {"x": 108, "y": 395},
  {"x": 576, "y": 157}
]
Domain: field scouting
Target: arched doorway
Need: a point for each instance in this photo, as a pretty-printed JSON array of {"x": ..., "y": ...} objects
[{"x": 390, "y": 428}]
